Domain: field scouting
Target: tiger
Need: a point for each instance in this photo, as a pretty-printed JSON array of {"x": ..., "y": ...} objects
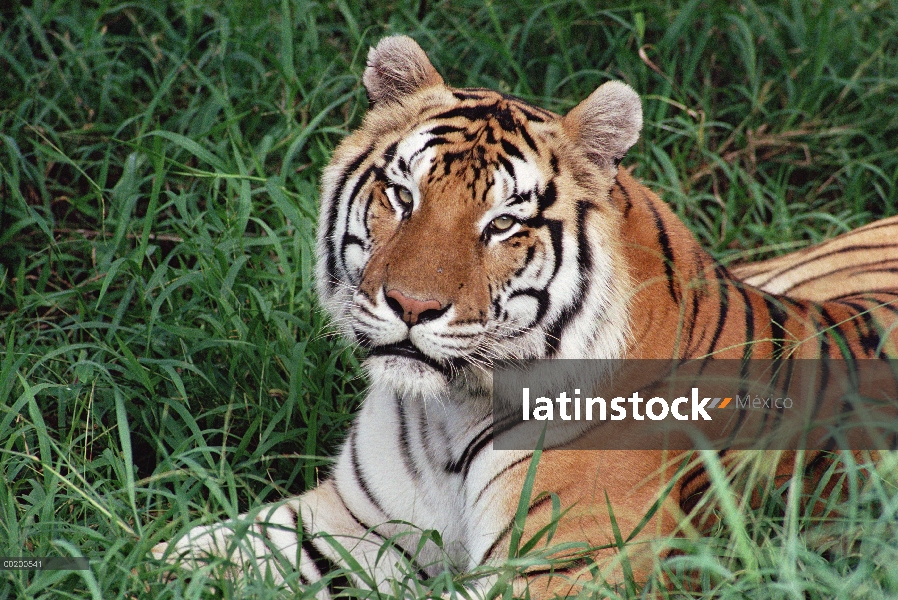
[{"x": 461, "y": 227}]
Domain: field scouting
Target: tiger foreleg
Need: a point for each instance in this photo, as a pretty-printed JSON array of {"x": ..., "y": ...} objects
[{"x": 313, "y": 536}]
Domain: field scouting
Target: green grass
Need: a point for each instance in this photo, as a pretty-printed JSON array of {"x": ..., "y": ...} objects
[{"x": 163, "y": 361}]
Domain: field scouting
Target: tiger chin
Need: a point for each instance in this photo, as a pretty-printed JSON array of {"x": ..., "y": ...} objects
[{"x": 464, "y": 227}]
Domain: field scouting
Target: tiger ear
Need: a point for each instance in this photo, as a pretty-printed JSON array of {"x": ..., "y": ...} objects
[
  {"x": 607, "y": 123},
  {"x": 396, "y": 68}
]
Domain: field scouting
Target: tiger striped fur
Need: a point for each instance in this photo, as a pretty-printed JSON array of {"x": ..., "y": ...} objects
[
  {"x": 859, "y": 261},
  {"x": 462, "y": 226}
]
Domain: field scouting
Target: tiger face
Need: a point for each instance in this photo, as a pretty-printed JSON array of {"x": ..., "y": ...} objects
[{"x": 462, "y": 227}]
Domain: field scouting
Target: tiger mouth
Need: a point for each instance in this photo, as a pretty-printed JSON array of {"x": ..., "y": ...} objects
[
  {"x": 403, "y": 348},
  {"x": 406, "y": 349}
]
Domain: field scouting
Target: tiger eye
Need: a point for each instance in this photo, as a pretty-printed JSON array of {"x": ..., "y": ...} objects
[
  {"x": 502, "y": 223},
  {"x": 404, "y": 196}
]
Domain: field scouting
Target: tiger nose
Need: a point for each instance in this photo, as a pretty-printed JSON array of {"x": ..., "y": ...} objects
[{"x": 412, "y": 310}]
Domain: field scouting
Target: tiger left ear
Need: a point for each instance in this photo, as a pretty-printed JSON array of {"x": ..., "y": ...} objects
[
  {"x": 396, "y": 68},
  {"x": 607, "y": 123}
]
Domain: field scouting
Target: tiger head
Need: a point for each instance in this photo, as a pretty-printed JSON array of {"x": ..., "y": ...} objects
[{"x": 460, "y": 227}]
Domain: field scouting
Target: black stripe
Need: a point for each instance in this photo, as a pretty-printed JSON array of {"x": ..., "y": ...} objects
[
  {"x": 553, "y": 162},
  {"x": 800, "y": 305},
  {"x": 507, "y": 165},
  {"x": 868, "y": 335},
  {"x": 294, "y": 517},
  {"x": 539, "y": 503},
  {"x": 873, "y": 296},
  {"x": 352, "y": 515},
  {"x": 695, "y": 495},
  {"x": 627, "y": 198},
  {"x": 263, "y": 531},
  {"x": 477, "y": 112},
  {"x": 433, "y": 456},
  {"x": 749, "y": 331},
  {"x": 529, "y": 140},
  {"x": 390, "y": 152},
  {"x": 325, "y": 566},
  {"x": 533, "y": 113},
  {"x": 542, "y": 303},
  {"x": 360, "y": 476},
  {"x": 696, "y": 298},
  {"x": 434, "y": 141},
  {"x": 856, "y": 269},
  {"x": 891, "y": 306},
  {"x": 508, "y": 528},
  {"x": 449, "y": 158},
  {"x": 444, "y": 129},
  {"x": 569, "y": 568},
  {"x": 778, "y": 317},
  {"x": 467, "y": 95},
  {"x": 511, "y": 149},
  {"x": 363, "y": 180},
  {"x": 555, "y": 330},
  {"x": 496, "y": 477},
  {"x": 667, "y": 251},
  {"x": 816, "y": 322},
  {"x": 350, "y": 240},
  {"x": 331, "y": 258},
  {"x": 368, "y": 312},
  {"x": 366, "y": 208},
  {"x": 835, "y": 333},
  {"x": 404, "y": 447},
  {"x": 548, "y": 197},
  {"x": 556, "y": 229},
  {"x": 463, "y": 463},
  {"x": 724, "y": 284}
]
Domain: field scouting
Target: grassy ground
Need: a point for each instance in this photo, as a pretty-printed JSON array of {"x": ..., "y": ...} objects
[{"x": 162, "y": 361}]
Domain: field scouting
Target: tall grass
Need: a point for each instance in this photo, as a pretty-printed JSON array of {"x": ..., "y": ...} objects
[{"x": 163, "y": 361}]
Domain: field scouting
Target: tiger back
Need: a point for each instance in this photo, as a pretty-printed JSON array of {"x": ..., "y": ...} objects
[{"x": 460, "y": 228}]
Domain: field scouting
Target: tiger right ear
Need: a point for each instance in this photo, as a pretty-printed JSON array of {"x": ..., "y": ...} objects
[
  {"x": 607, "y": 123},
  {"x": 396, "y": 68}
]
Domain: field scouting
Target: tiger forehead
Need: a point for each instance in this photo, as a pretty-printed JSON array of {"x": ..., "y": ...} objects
[
  {"x": 483, "y": 132},
  {"x": 488, "y": 117},
  {"x": 490, "y": 98}
]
